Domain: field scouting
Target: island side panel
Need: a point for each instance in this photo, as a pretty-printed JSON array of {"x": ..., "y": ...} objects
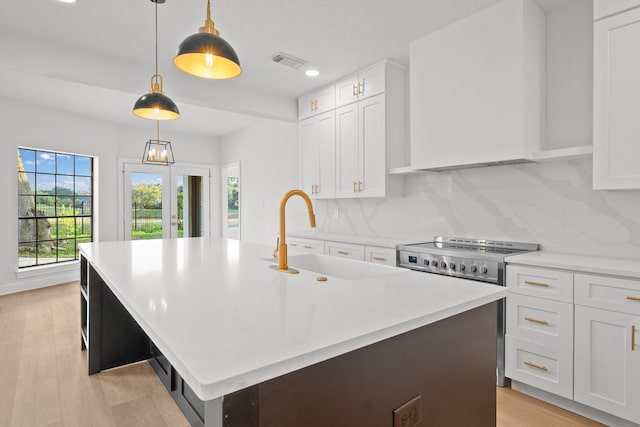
[
  {"x": 115, "y": 339},
  {"x": 451, "y": 364}
]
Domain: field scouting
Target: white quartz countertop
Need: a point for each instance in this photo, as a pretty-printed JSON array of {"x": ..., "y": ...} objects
[
  {"x": 226, "y": 321},
  {"x": 384, "y": 242},
  {"x": 625, "y": 267}
]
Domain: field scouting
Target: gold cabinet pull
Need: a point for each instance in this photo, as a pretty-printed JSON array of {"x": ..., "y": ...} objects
[
  {"x": 531, "y": 319},
  {"x": 360, "y": 88},
  {"x": 379, "y": 258},
  {"x": 315, "y": 105},
  {"x": 633, "y": 298},
  {"x": 545, "y": 285},
  {"x": 355, "y": 190},
  {"x": 359, "y": 186},
  {"x": 343, "y": 252},
  {"x": 633, "y": 337},
  {"x": 533, "y": 365},
  {"x": 354, "y": 90}
]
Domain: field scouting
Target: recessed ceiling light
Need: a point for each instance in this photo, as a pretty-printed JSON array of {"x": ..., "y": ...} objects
[
  {"x": 312, "y": 73},
  {"x": 67, "y": 1}
]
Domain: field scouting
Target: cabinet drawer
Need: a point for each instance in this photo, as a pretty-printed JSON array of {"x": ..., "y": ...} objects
[
  {"x": 540, "y": 282},
  {"x": 547, "y": 368},
  {"x": 305, "y": 246},
  {"x": 609, "y": 293},
  {"x": 344, "y": 250},
  {"x": 386, "y": 256},
  {"x": 540, "y": 321}
]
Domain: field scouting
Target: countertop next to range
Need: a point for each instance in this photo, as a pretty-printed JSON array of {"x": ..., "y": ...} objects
[
  {"x": 625, "y": 267},
  {"x": 226, "y": 321}
]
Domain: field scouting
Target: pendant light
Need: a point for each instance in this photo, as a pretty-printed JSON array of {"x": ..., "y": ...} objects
[
  {"x": 206, "y": 54},
  {"x": 155, "y": 105},
  {"x": 157, "y": 152}
]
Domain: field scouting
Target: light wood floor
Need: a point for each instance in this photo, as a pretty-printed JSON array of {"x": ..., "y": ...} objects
[{"x": 44, "y": 381}]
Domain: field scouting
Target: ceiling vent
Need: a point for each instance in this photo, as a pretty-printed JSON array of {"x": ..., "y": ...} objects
[{"x": 289, "y": 60}]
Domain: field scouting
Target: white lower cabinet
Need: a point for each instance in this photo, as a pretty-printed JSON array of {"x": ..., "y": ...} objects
[
  {"x": 297, "y": 245},
  {"x": 548, "y": 368},
  {"x": 378, "y": 255},
  {"x": 539, "y": 341},
  {"x": 607, "y": 329},
  {"x": 576, "y": 335},
  {"x": 344, "y": 250},
  {"x": 607, "y": 367}
]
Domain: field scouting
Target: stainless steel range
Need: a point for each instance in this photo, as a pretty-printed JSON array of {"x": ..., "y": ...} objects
[{"x": 475, "y": 259}]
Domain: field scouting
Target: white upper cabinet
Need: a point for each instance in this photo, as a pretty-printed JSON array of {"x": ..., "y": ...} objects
[
  {"x": 317, "y": 155},
  {"x": 361, "y": 147},
  {"x": 602, "y": 8},
  {"x": 347, "y": 151},
  {"x": 316, "y": 102},
  {"x": 368, "y": 82},
  {"x": 477, "y": 88},
  {"x": 616, "y": 104}
]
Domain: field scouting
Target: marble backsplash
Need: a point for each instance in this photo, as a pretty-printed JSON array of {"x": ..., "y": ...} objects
[{"x": 548, "y": 203}]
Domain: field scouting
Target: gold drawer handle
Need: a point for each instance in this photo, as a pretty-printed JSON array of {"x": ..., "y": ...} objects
[
  {"x": 360, "y": 88},
  {"x": 307, "y": 247},
  {"x": 545, "y": 285},
  {"x": 354, "y": 90},
  {"x": 379, "y": 258},
  {"x": 343, "y": 252},
  {"x": 634, "y": 298},
  {"x": 533, "y": 365},
  {"x": 531, "y": 319},
  {"x": 633, "y": 337}
]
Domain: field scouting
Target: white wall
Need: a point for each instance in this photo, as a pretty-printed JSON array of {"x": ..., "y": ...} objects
[
  {"x": 269, "y": 167},
  {"x": 34, "y": 126},
  {"x": 570, "y": 75}
]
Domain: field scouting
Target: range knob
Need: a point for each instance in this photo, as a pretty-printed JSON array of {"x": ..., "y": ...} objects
[
  {"x": 483, "y": 269},
  {"x": 452, "y": 265},
  {"x": 473, "y": 268},
  {"x": 426, "y": 262},
  {"x": 462, "y": 267},
  {"x": 443, "y": 264}
]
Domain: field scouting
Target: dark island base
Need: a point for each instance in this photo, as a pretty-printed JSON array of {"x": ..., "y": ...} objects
[{"x": 450, "y": 364}]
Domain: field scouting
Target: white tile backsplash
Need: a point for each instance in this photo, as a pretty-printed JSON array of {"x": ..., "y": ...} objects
[{"x": 548, "y": 203}]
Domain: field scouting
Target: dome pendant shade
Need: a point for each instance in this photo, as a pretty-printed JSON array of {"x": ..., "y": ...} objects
[
  {"x": 207, "y": 55},
  {"x": 155, "y": 105}
]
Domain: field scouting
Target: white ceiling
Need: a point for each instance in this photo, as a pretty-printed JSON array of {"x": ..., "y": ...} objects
[{"x": 58, "y": 54}]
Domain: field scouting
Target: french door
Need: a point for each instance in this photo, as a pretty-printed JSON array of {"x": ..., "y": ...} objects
[{"x": 160, "y": 202}]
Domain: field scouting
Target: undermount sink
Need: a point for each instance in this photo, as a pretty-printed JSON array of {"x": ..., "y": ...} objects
[{"x": 342, "y": 268}]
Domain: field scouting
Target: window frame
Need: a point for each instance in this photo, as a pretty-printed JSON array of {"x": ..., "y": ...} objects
[{"x": 55, "y": 215}]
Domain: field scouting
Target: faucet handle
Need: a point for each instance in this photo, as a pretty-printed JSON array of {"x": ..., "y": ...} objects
[{"x": 275, "y": 251}]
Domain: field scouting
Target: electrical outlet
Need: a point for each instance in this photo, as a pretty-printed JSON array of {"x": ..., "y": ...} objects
[{"x": 409, "y": 414}]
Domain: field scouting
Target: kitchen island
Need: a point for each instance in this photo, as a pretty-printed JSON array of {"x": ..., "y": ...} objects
[{"x": 238, "y": 343}]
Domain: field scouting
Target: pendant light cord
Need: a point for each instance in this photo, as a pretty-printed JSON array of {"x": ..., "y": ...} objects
[{"x": 156, "y": 36}]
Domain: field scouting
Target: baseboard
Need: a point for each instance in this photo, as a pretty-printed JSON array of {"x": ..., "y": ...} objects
[
  {"x": 40, "y": 281},
  {"x": 572, "y": 405}
]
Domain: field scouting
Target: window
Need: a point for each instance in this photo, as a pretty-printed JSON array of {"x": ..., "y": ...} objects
[{"x": 55, "y": 199}]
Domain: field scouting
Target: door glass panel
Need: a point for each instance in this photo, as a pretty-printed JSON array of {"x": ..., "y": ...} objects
[
  {"x": 233, "y": 220},
  {"x": 146, "y": 206},
  {"x": 190, "y": 206}
]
